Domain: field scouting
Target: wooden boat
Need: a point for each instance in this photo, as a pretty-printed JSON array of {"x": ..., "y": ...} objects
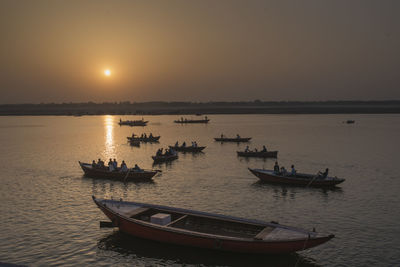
[
  {"x": 164, "y": 158},
  {"x": 236, "y": 139},
  {"x": 133, "y": 123},
  {"x": 300, "y": 179},
  {"x": 258, "y": 154},
  {"x": 207, "y": 230},
  {"x": 206, "y": 120},
  {"x": 350, "y": 121},
  {"x": 130, "y": 175},
  {"x": 187, "y": 148},
  {"x": 144, "y": 139}
]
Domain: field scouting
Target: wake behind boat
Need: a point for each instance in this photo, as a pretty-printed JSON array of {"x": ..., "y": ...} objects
[
  {"x": 300, "y": 179},
  {"x": 206, "y": 230},
  {"x": 133, "y": 174}
]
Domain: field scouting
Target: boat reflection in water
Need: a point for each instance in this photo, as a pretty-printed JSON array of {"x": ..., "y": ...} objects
[{"x": 155, "y": 253}]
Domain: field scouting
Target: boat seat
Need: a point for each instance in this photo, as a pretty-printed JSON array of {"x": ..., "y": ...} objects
[
  {"x": 261, "y": 235},
  {"x": 134, "y": 212}
]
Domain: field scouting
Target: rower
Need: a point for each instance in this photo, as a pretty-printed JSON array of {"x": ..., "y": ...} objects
[
  {"x": 124, "y": 168},
  {"x": 323, "y": 174}
]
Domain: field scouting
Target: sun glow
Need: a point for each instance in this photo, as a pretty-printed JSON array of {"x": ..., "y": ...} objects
[{"x": 107, "y": 72}]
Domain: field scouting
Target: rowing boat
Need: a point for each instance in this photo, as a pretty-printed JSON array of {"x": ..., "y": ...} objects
[
  {"x": 207, "y": 230},
  {"x": 188, "y": 148},
  {"x": 133, "y": 123},
  {"x": 301, "y": 179},
  {"x": 236, "y": 139},
  {"x": 130, "y": 175},
  {"x": 152, "y": 139},
  {"x": 206, "y": 120},
  {"x": 258, "y": 154},
  {"x": 164, "y": 158}
]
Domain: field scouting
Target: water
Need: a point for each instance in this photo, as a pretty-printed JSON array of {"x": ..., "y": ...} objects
[{"x": 48, "y": 217}]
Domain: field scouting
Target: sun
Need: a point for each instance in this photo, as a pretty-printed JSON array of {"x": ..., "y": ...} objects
[{"x": 107, "y": 72}]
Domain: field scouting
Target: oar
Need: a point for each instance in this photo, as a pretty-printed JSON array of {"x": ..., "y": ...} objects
[
  {"x": 312, "y": 180},
  {"x": 126, "y": 176}
]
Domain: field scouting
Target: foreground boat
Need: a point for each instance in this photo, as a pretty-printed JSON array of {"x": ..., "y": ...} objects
[
  {"x": 236, "y": 139},
  {"x": 206, "y": 230},
  {"x": 133, "y": 123},
  {"x": 152, "y": 139},
  {"x": 130, "y": 175},
  {"x": 258, "y": 154},
  {"x": 301, "y": 179},
  {"x": 188, "y": 148}
]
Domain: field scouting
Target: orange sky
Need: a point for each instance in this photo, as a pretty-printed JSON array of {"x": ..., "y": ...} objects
[{"x": 57, "y": 51}]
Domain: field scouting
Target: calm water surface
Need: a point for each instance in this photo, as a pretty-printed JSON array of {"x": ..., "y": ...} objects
[{"x": 48, "y": 217}]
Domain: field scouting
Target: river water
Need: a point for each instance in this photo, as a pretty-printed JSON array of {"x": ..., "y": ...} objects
[{"x": 48, "y": 217}]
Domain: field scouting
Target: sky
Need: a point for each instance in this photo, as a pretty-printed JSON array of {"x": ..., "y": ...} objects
[{"x": 225, "y": 50}]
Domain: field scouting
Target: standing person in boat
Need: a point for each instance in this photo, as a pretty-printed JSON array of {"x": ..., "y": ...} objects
[
  {"x": 293, "y": 172},
  {"x": 323, "y": 174},
  {"x": 110, "y": 165},
  {"x": 276, "y": 168},
  {"x": 124, "y": 168},
  {"x": 264, "y": 149}
]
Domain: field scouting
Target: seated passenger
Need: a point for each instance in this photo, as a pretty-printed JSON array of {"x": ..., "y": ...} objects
[
  {"x": 184, "y": 144},
  {"x": 151, "y": 135},
  {"x": 110, "y": 165},
  {"x": 293, "y": 172},
  {"x": 276, "y": 168},
  {"x": 237, "y": 136},
  {"x": 264, "y": 149},
  {"x": 94, "y": 165},
  {"x": 176, "y": 144},
  {"x": 115, "y": 164},
  {"x": 247, "y": 149},
  {"x": 283, "y": 171},
  {"x": 136, "y": 168}
]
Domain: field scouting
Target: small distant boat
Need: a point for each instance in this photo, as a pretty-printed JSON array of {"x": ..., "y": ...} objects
[
  {"x": 164, "y": 158},
  {"x": 206, "y": 230},
  {"x": 350, "y": 121},
  {"x": 188, "y": 148},
  {"x": 147, "y": 139},
  {"x": 130, "y": 175},
  {"x": 133, "y": 123},
  {"x": 236, "y": 139},
  {"x": 258, "y": 154},
  {"x": 205, "y": 120},
  {"x": 301, "y": 179}
]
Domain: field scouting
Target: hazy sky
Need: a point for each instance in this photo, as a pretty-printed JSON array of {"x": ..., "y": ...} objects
[{"x": 57, "y": 51}]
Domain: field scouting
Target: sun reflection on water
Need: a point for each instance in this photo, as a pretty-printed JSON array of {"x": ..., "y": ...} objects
[{"x": 109, "y": 147}]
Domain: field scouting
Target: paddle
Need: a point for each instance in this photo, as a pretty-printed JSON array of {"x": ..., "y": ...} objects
[
  {"x": 126, "y": 176},
  {"x": 312, "y": 180}
]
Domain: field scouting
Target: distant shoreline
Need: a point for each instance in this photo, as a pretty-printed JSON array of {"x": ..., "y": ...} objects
[{"x": 190, "y": 108}]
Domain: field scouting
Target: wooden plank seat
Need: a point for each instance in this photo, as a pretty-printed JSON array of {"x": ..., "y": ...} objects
[
  {"x": 177, "y": 220},
  {"x": 261, "y": 235}
]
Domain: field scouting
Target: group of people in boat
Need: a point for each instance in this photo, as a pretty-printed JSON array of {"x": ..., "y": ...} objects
[
  {"x": 113, "y": 166},
  {"x": 293, "y": 172},
  {"x": 168, "y": 152},
  {"x": 237, "y": 136},
  {"x": 143, "y": 136},
  {"x": 194, "y": 144},
  {"x": 247, "y": 149}
]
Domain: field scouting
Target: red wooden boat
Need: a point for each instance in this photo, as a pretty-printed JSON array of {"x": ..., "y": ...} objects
[
  {"x": 258, "y": 154},
  {"x": 188, "y": 148},
  {"x": 301, "y": 179},
  {"x": 207, "y": 230},
  {"x": 130, "y": 175}
]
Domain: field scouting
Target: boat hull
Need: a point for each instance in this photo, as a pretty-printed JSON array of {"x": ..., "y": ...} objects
[
  {"x": 268, "y": 154},
  {"x": 161, "y": 234},
  {"x": 192, "y": 121},
  {"x": 236, "y": 140},
  {"x": 164, "y": 158},
  {"x": 145, "y": 140},
  {"x": 188, "y": 148},
  {"x": 116, "y": 175},
  {"x": 277, "y": 179}
]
